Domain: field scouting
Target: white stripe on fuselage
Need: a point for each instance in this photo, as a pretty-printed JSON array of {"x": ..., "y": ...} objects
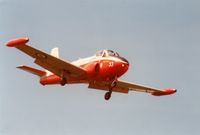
[{"x": 93, "y": 59}]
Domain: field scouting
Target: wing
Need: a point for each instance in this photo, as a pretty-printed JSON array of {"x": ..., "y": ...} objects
[
  {"x": 47, "y": 61},
  {"x": 125, "y": 87},
  {"x": 147, "y": 89}
]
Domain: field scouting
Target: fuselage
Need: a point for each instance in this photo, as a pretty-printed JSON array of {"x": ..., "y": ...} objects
[{"x": 100, "y": 67}]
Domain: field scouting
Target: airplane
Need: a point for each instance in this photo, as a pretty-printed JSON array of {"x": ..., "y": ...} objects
[{"x": 100, "y": 71}]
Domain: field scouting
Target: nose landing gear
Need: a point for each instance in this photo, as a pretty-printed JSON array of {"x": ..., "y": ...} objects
[{"x": 108, "y": 94}]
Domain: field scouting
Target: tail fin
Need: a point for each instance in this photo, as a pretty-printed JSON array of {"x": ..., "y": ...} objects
[
  {"x": 34, "y": 71},
  {"x": 55, "y": 53}
]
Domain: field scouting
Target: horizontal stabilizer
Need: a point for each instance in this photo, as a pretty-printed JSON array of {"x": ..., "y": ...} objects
[{"x": 34, "y": 71}]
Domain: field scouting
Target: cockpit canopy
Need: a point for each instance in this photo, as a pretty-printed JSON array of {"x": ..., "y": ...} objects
[{"x": 106, "y": 53}]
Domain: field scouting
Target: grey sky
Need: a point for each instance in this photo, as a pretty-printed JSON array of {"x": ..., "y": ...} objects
[{"x": 160, "y": 38}]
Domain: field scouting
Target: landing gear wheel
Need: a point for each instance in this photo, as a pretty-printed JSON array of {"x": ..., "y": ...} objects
[
  {"x": 63, "y": 81},
  {"x": 107, "y": 95}
]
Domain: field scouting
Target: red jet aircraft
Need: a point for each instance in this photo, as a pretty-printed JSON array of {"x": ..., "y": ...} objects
[{"x": 100, "y": 71}]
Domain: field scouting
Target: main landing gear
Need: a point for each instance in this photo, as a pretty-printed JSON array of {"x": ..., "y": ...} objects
[
  {"x": 63, "y": 81},
  {"x": 108, "y": 94},
  {"x": 63, "y": 78}
]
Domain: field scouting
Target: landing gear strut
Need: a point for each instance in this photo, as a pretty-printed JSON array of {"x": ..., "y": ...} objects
[
  {"x": 108, "y": 94},
  {"x": 63, "y": 81}
]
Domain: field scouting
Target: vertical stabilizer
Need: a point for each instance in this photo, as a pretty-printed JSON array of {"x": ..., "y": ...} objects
[{"x": 55, "y": 53}]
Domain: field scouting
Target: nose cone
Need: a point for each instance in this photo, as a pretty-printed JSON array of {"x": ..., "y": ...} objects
[
  {"x": 119, "y": 67},
  {"x": 124, "y": 60},
  {"x": 124, "y": 64}
]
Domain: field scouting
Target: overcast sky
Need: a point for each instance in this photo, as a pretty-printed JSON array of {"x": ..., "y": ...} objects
[{"x": 160, "y": 38}]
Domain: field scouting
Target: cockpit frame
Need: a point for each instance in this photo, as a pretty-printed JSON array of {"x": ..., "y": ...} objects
[{"x": 107, "y": 53}]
